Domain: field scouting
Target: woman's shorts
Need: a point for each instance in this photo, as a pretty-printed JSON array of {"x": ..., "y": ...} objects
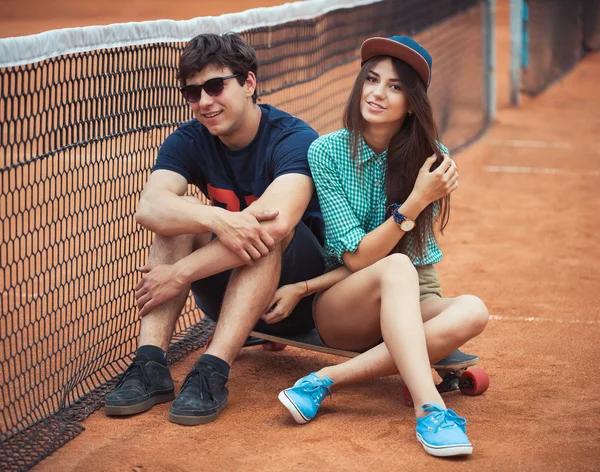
[
  {"x": 429, "y": 283},
  {"x": 429, "y": 286}
]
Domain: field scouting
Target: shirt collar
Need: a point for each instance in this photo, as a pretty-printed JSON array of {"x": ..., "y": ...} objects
[{"x": 366, "y": 153}]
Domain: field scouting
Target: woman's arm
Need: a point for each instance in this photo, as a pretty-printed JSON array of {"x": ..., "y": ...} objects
[
  {"x": 375, "y": 245},
  {"x": 378, "y": 243},
  {"x": 323, "y": 282},
  {"x": 287, "y": 297},
  {"x": 429, "y": 187}
]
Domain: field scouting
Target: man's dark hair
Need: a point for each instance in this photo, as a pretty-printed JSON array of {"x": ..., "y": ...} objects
[{"x": 229, "y": 50}]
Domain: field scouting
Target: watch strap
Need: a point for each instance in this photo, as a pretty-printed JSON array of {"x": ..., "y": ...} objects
[{"x": 398, "y": 217}]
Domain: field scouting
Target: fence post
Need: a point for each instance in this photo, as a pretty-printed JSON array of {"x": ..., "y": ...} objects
[
  {"x": 516, "y": 50},
  {"x": 489, "y": 54}
]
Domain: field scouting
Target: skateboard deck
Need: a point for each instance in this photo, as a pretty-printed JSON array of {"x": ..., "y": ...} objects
[
  {"x": 452, "y": 369},
  {"x": 311, "y": 341}
]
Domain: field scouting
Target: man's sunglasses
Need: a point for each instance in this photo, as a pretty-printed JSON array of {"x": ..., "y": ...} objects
[{"x": 213, "y": 87}]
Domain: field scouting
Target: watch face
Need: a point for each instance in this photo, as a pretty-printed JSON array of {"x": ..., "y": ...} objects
[{"x": 407, "y": 225}]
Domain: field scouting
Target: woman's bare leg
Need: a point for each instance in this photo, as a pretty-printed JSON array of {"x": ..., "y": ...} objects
[
  {"x": 452, "y": 322},
  {"x": 449, "y": 323},
  {"x": 381, "y": 300}
]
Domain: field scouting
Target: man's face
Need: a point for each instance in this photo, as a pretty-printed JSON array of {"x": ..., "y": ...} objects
[{"x": 223, "y": 114}]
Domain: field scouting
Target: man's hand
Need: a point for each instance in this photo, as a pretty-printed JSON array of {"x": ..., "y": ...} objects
[
  {"x": 242, "y": 233},
  {"x": 284, "y": 301},
  {"x": 160, "y": 283},
  {"x": 433, "y": 185}
]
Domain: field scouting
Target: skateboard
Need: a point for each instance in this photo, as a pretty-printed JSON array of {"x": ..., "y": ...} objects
[{"x": 457, "y": 370}]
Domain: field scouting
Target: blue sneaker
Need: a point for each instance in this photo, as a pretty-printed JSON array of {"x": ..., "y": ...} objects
[
  {"x": 304, "y": 398},
  {"x": 443, "y": 433}
]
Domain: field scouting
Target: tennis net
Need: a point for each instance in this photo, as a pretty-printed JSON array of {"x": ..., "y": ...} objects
[
  {"x": 83, "y": 113},
  {"x": 556, "y": 36}
]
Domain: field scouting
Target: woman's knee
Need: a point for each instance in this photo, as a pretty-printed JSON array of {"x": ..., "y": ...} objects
[
  {"x": 396, "y": 267},
  {"x": 475, "y": 311}
]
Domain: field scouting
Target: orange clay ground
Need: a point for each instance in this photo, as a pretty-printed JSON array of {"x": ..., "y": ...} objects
[{"x": 523, "y": 236}]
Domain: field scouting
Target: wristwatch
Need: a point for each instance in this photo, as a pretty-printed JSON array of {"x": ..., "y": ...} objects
[{"x": 406, "y": 224}]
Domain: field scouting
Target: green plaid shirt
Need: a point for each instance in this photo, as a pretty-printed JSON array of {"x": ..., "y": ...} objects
[{"x": 353, "y": 203}]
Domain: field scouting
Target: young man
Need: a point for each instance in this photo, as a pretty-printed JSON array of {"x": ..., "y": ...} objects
[{"x": 262, "y": 231}]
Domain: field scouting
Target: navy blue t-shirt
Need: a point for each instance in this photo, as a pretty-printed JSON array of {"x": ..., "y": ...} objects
[{"x": 234, "y": 179}]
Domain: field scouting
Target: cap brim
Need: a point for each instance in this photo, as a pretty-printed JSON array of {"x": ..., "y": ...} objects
[{"x": 384, "y": 46}]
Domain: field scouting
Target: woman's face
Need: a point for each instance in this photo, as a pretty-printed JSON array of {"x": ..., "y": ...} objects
[{"x": 383, "y": 100}]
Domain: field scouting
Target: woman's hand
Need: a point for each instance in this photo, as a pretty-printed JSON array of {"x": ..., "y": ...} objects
[
  {"x": 284, "y": 301},
  {"x": 433, "y": 185}
]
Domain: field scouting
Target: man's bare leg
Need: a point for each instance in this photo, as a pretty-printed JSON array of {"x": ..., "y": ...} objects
[
  {"x": 138, "y": 391},
  {"x": 249, "y": 291},
  {"x": 157, "y": 326},
  {"x": 147, "y": 381}
]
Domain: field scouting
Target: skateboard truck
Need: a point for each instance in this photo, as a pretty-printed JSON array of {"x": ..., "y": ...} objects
[{"x": 455, "y": 376}]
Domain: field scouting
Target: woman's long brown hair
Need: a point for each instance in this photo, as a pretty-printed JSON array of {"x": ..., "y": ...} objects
[{"x": 416, "y": 140}]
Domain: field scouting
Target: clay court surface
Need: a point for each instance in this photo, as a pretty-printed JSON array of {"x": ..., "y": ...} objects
[{"x": 523, "y": 236}]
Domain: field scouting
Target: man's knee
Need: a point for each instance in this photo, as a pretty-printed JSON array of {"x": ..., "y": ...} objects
[
  {"x": 170, "y": 249},
  {"x": 287, "y": 240}
]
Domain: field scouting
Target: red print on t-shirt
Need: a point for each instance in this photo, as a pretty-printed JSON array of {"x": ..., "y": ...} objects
[{"x": 228, "y": 198}]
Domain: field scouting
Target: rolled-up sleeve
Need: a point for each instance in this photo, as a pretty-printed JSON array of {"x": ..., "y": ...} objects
[
  {"x": 443, "y": 149},
  {"x": 343, "y": 231}
]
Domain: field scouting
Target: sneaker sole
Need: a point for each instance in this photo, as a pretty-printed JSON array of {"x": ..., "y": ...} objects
[
  {"x": 291, "y": 407},
  {"x": 112, "y": 410},
  {"x": 446, "y": 451},
  {"x": 187, "y": 420}
]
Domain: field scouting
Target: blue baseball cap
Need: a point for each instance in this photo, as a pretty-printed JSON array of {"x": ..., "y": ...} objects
[{"x": 405, "y": 49}]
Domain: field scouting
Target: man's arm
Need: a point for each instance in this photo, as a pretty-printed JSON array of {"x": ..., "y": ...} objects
[
  {"x": 163, "y": 210},
  {"x": 289, "y": 194}
]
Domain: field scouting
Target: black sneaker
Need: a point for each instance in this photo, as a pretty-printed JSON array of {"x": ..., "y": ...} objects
[
  {"x": 144, "y": 384},
  {"x": 201, "y": 398}
]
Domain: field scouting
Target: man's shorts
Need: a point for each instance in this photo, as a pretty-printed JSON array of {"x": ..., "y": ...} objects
[
  {"x": 302, "y": 260},
  {"x": 429, "y": 283}
]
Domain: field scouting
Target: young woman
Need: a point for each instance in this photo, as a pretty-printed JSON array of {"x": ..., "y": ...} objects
[{"x": 382, "y": 181}]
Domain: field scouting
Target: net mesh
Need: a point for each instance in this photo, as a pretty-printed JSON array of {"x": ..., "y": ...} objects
[
  {"x": 558, "y": 33},
  {"x": 79, "y": 134}
]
